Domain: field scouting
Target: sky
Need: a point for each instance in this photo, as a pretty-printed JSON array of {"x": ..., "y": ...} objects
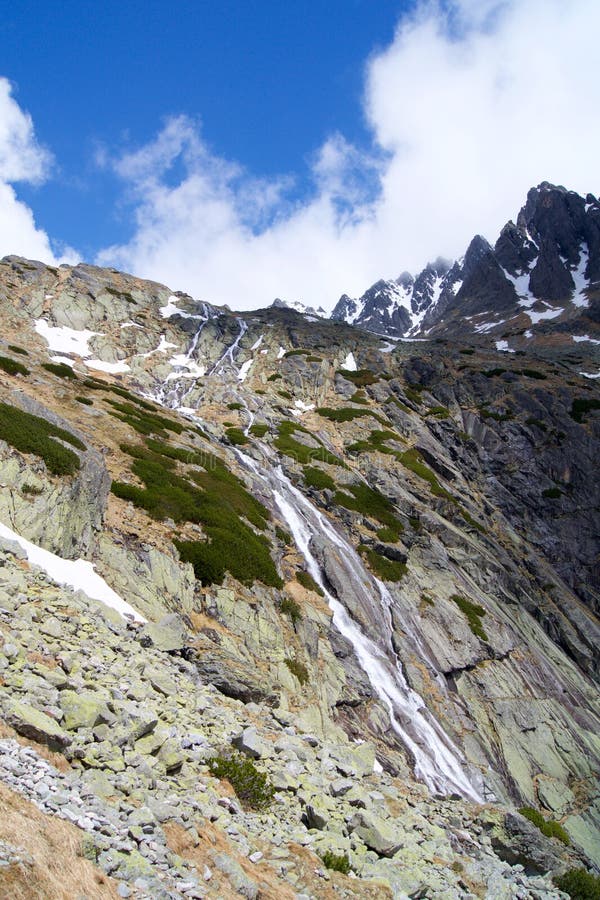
[{"x": 252, "y": 149}]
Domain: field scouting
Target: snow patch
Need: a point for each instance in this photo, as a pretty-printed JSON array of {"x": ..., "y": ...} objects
[
  {"x": 65, "y": 340},
  {"x": 578, "y": 338},
  {"x": 77, "y": 574},
  {"x": 130, "y": 325},
  {"x": 257, "y": 343},
  {"x": 579, "y": 297},
  {"x": 281, "y": 353},
  {"x": 63, "y": 359},
  {"x": 590, "y": 374},
  {"x": 171, "y": 308},
  {"x": 503, "y": 347},
  {"x": 349, "y": 363},
  {"x": 113, "y": 368},
  {"x": 244, "y": 369},
  {"x": 183, "y": 361},
  {"x": 163, "y": 346}
]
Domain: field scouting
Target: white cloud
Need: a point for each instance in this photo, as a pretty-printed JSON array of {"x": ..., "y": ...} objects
[
  {"x": 471, "y": 104},
  {"x": 22, "y": 159}
]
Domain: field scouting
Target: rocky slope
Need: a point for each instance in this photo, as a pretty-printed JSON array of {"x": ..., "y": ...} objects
[
  {"x": 379, "y": 572},
  {"x": 540, "y": 279}
]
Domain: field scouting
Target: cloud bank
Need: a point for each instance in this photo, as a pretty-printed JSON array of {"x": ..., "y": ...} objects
[
  {"x": 472, "y": 103},
  {"x": 22, "y": 159}
]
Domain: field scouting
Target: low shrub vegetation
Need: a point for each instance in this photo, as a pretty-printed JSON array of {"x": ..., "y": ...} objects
[
  {"x": 370, "y": 502},
  {"x": 32, "y": 434},
  {"x": 317, "y": 478},
  {"x": 16, "y": 349},
  {"x": 143, "y": 421},
  {"x": 62, "y": 370},
  {"x": 552, "y": 493},
  {"x": 308, "y": 582},
  {"x": 289, "y": 446},
  {"x": 290, "y": 608},
  {"x": 251, "y": 786},
  {"x": 413, "y": 460},
  {"x": 583, "y": 405},
  {"x": 579, "y": 884},
  {"x": 548, "y": 827},
  {"x": 360, "y": 378},
  {"x": 474, "y": 613},
  {"x": 387, "y": 569},
  {"x": 12, "y": 367},
  {"x": 259, "y": 429},
  {"x": 347, "y": 414},
  {"x": 336, "y": 862},
  {"x": 298, "y": 669},
  {"x": 236, "y": 436}
]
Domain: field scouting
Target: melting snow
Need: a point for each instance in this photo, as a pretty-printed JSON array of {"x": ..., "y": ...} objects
[
  {"x": 590, "y": 374},
  {"x": 171, "y": 308},
  {"x": 63, "y": 359},
  {"x": 304, "y": 407},
  {"x": 113, "y": 368},
  {"x": 281, "y": 353},
  {"x": 163, "y": 346},
  {"x": 584, "y": 337},
  {"x": 257, "y": 343},
  {"x": 77, "y": 574},
  {"x": 487, "y": 326},
  {"x": 349, "y": 363},
  {"x": 503, "y": 346},
  {"x": 182, "y": 361},
  {"x": 581, "y": 283},
  {"x": 130, "y": 325},
  {"x": 550, "y": 313},
  {"x": 245, "y": 368},
  {"x": 65, "y": 340}
]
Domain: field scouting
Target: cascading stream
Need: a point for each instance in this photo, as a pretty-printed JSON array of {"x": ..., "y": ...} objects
[{"x": 438, "y": 762}]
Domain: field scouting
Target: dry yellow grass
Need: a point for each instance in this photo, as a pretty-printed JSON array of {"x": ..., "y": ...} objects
[{"x": 57, "y": 871}]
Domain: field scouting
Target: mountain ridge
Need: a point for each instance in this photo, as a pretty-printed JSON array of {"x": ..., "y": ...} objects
[{"x": 286, "y": 502}]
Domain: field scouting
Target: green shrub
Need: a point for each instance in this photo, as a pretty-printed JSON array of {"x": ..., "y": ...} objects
[
  {"x": 12, "y": 367},
  {"x": 473, "y": 612},
  {"x": 62, "y": 370},
  {"x": 235, "y": 406},
  {"x": 413, "y": 395},
  {"x": 579, "y": 884},
  {"x": 217, "y": 500},
  {"x": 127, "y": 395},
  {"x": 289, "y": 446},
  {"x": 497, "y": 416},
  {"x": 317, "y": 478},
  {"x": 144, "y": 422},
  {"x": 361, "y": 378},
  {"x": 548, "y": 827},
  {"x": 85, "y": 400},
  {"x": 440, "y": 412},
  {"x": 335, "y": 862},
  {"x": 413, "y": 460},
  {"x": 274, "y": 377},
  {"x": 347, "y": 414},
  {"x": 252, "y": 787},
  {"x": 314, "y": 359},
  {"x": 297, "y": 353},
  {"x": 399, "y": 404},
  {"x": 493, "y": 373},
  {"x": 308, "y": 582},
  {"x": 387, "y": 569},
  {"x": 297, "y": 669},
  {"x": 533, "y": 373},
  {"x": 376, "y": 442},
  {"x": 259, "y": 429},
  {"x": 552, "y": 493},
  {"x": 122, "y": 295},
  {"x": 31, "y": 490},
  {"x": 285, "y": 394},
  {"x": 359, "y": 397},
  {"x": 369, "y": 502},
  {"x": 581, "y": 406},
  {"x": 537, "y": 422},
  {"x": 387, "y": 535},
  {"x": 236, "y": 436},
  {"x": 290, "y": 608},
  {"x": 467, "y": 351},
  {"x": 471, "y": 521},
  {"x": 32, "y": 434},
  {"x": 284, "y": 536},
  {"x": 16, "y": 349}
]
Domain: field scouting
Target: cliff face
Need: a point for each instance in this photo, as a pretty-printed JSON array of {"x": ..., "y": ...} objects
[
  {"x": 428, "y": 547},
  {"x": 538, "y": 285}
]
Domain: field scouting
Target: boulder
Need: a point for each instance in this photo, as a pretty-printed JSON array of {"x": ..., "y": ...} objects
[{"x": 36, "y": 725}]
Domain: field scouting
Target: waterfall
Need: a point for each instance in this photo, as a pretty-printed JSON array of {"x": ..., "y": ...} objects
[{"x": 438, "y": 762}]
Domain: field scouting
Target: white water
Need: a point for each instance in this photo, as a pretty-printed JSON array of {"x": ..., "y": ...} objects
[
  {"x": 438, "y": 762},
  {"x": 177, "y": 387}
]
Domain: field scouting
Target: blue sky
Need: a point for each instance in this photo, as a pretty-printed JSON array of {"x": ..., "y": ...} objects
[
  {"x": 268, "y": 81},
  {"x": 247, "y": 150}
]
